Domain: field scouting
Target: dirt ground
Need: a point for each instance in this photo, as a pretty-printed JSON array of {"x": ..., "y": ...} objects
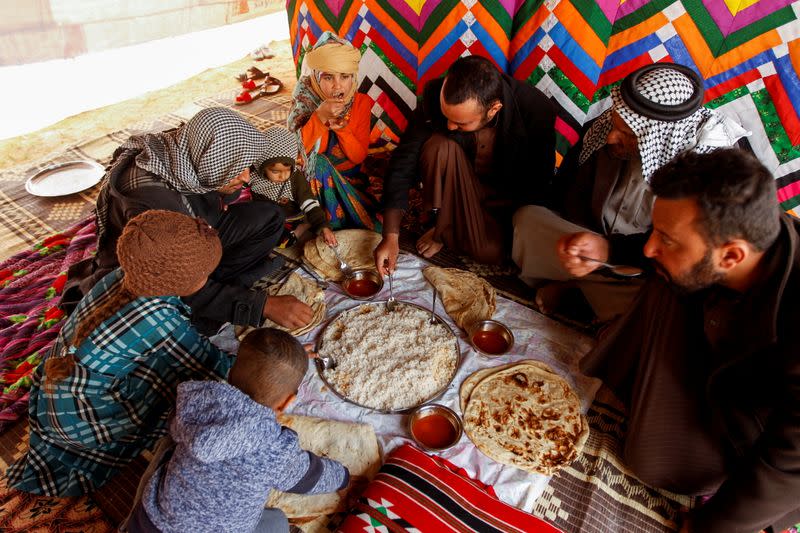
[{"x": 33, "y": 146}]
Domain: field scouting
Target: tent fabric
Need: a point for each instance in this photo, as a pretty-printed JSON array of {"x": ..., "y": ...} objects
[
  {"x": 747, "y": 51},
  {"x": 57, "y": 29}
]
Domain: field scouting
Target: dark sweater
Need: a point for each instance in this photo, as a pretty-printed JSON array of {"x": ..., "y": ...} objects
[
  {"x": 750, "y": 383},
  {"x": 524, "y": 153},
  {"x": 224, "y": 302}
]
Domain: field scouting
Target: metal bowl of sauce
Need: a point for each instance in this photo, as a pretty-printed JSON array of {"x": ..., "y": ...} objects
[
  {"x": 363, "y": 284},
  {"x": 435, "y": 427},
  {"x": 491, "y": 338}
]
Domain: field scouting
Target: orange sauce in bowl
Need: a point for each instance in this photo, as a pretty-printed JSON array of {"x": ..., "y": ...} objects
[
  {"x": 362, "y": 287},
  {"x": 434, "y": 431},
  {"x": 490, "y": 342}
]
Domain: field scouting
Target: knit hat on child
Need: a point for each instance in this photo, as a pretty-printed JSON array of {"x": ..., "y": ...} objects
[{"x": 162, "y": 253}]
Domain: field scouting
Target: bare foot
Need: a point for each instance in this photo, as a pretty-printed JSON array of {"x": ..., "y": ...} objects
[
  {"x": 548, "y": 296},
  {"x": 427, "y": 245}
]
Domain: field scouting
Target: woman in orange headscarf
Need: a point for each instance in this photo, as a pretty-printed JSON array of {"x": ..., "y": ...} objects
[{"x": 333, "y": 121}]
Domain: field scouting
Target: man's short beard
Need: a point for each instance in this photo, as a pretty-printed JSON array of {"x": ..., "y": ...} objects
[
  {"x": 701, "y": 276},
  {"x": 482, "y": 124}
]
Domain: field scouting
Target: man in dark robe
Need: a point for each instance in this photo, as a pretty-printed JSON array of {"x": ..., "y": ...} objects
[
  {"x": 706, "y": 358},
  {"x": 482, "y": 144},
  {"x": 603, "y": 183}
]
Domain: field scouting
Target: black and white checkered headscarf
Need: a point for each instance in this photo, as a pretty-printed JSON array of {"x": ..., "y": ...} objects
[
  {"x": 660, "y": 140},
  {"x": 282, "y": 147},
  {"x": 201, "y": 156}
]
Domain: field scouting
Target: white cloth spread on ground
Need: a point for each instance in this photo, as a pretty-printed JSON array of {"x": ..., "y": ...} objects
[{"x": 535, "y": 337}]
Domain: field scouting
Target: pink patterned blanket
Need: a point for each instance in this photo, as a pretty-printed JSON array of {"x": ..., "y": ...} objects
[{"x": 31, "y": 284}]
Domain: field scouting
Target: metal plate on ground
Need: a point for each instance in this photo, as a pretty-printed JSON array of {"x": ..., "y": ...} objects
[{"x": 65, "y": 178}]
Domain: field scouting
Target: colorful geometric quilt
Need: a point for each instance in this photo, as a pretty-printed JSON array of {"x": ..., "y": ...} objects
[{"x": 748, "y": 52}]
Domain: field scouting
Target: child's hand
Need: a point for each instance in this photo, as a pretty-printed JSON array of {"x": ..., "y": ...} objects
[
  {"x": 309, "y": 348},
  {"x": 329, "y": 237}
]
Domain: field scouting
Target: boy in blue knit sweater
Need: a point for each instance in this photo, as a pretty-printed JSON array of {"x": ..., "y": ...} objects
[{"x": 230, "y": 450}]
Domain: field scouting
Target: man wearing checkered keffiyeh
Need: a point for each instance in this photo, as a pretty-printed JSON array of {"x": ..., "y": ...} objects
[
  {"x": 602, "y": 185},
  {"x": 198, "y": 169}
]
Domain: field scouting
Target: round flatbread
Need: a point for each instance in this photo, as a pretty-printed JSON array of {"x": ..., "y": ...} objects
[
  {"x": 311, "y": 258},
  {"x": 466, "y": 297},
  {"x": 305, "y": 290},
  {"x": 469, "y": 384},
  {"x": 355, "y": 247},
  {"x": 353, "y": 445},
  {"x": 526, "y": 416}
]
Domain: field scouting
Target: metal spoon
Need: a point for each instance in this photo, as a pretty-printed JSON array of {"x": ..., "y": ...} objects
[
  {"x": 344, "y": 267},
  {"x": 432, "y": 319},
  {"x": 327, "y": 362},
  {"x": 620, "y": 270},
  {"x": 391, "y": 303}
]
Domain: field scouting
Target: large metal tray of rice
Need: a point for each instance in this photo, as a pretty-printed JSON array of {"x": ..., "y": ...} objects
[{"x": 388, "y": 361}]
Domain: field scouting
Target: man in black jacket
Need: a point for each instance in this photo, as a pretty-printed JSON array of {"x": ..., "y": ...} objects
[
  {"x": 482, "y": 144},
  {"x": 706, "y": 359}
]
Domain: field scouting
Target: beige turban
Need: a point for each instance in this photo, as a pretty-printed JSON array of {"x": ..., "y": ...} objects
[{"x": 333, "y": 58}]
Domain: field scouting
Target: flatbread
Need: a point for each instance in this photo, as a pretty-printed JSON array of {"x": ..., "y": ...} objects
[
  {"x": 466, "y": 297},
  {"x": 469, "y": 384},
  {"x": 526, "y": 416},
  {"x": 311, "y": 258},
  {"x": 355, "y": 247},
  {"x": 305, "y": 290},
  {"x": 353, "y": 445}
]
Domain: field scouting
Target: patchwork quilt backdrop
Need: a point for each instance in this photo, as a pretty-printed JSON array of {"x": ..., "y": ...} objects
[{"x": 748, "y": 52}]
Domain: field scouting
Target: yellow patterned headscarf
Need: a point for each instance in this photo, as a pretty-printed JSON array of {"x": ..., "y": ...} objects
[
  {"x": 335, "y": 56},
  {"x": 330, "y": 54}
]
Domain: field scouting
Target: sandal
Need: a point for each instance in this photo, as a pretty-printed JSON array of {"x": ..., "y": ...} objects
[
  {"x": 253, "y": 73},
  {"x": 271, "y": 85},
  {"x": 246, "y": 97}
]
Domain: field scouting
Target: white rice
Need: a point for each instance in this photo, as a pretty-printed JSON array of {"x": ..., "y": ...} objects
[{"x": 389, "y": 361}]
